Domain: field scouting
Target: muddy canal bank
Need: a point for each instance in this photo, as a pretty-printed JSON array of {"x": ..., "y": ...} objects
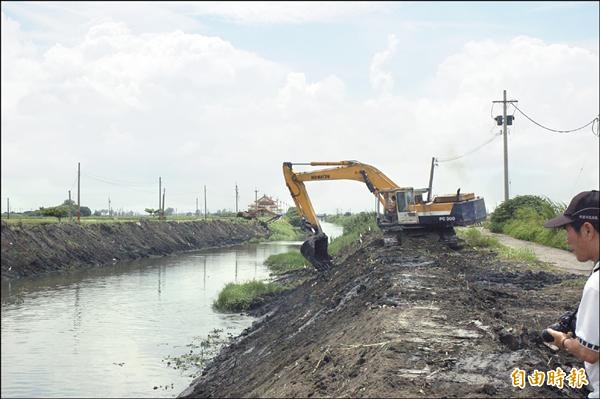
[
  {"x": 410, "y": 321},
  {"x": 30, "y": 250}
]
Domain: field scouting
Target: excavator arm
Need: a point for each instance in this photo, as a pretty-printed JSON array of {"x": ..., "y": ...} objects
[{"x": 315, "y": 248}]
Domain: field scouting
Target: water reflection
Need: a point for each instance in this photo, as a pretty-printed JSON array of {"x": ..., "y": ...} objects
[
  {"x": 103, "y": 332},
  {"x": 76, "y": 320}
]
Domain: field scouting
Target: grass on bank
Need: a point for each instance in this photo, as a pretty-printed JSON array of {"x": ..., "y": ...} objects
[
  {"x": 286, "y": 262},
  {"x": 282, "y": 230},
  {"x": 476, "y": 239},
  {"x": 354, "y": 226},
  {"x": 242, "y": 297},
  {"x": 523, "y": 218}
]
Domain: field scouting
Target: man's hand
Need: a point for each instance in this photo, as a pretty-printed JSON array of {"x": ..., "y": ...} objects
[{"x": 559, "y": 337}]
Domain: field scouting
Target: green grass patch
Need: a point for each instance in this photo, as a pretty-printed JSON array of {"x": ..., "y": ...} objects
[
  {"x": 523, "y": 218},
  {"x": 578, "y": 283},
  {"x": 241, "y": 297},
  {"x": 523, "y": 254},
  {"x": 507, "y": 211},
  {"x": 354, "y": 226},
  {"x": 286, "y": 262},
  {"x": 529, "y": 225},
  {"x": 476, "y": 239},
  {"x": 282, "y": 230}
]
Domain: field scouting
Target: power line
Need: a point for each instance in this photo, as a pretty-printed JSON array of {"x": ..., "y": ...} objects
[
  {"x": 592, "y": 122},
  {"x": 471, "y": 151},
  {"x": 114, "y": 183}
]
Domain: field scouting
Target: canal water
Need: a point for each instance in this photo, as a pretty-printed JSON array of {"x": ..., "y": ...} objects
[{"x": 110, "y": 332}]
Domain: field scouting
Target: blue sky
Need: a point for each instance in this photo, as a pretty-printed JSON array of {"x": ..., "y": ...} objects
[{"x": 236, "y": 88}]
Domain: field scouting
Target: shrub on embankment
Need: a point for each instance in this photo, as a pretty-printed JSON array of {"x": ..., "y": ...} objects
[
  {"x": 245, "y": 296},
  {"x": 29, "y": 250},
  {"x": 283, "y": 230},
  {"x": 523, "y": 217},
  {"x": 354, "y": 227}
]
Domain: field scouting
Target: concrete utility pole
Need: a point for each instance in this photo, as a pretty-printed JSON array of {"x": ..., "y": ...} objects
[
  {"x": 205, "y": 202},
  {"x": 236, "y": 198},
  {"x": 78, "y": 192},
  {"x": 505, "y": 123},
  {"x": 70, "y": 218},
  {"x": 162, "y": 212},
  {"x": 430, "y": 180},
  {"x": 159, "y": 195}
]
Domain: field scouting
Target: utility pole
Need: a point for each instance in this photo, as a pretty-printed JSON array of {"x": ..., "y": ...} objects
[
  {"x": 505, "y": 122},
  {"x": 236, "y": 198},
  {"x": 430, "y": 180},
  {"x": 70, "y": 216},
  {"x": 256, "y": 198},
  {"x": 109, "y": 212},
  {"x": 78, "y": 192},
  {"x": 205, "y": 202},
  {"x": 162, "y": 212},
  {"x": 159, "y": 195}
]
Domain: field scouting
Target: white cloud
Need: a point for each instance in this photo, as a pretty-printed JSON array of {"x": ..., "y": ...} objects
[
  {"x": 298, "y": 96},
  {"x": 197, "y": 110},
  {"x": 379, "y": 77}
]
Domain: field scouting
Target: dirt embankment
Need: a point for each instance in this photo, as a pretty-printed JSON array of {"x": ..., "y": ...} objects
[
  {"x": 29, "y": 250},
  {"x": 410, "y": 321}
]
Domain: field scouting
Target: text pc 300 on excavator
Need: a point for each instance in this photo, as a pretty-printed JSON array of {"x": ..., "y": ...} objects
[{"x": 404, "y": 212}]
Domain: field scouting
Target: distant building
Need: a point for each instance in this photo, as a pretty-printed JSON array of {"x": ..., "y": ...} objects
[{"x": 265, "y": 205}]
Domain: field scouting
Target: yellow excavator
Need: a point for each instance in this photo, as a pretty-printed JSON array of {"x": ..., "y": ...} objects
[{"x": 401, "y": 211}]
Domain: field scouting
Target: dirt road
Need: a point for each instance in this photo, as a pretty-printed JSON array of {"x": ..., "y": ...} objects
[{"x": 410, "y": 321}]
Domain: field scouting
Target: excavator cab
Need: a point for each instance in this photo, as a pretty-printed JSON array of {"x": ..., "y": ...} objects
[
  {"x": 405, "y": 201},
  {"x": 399, "y": 206}
]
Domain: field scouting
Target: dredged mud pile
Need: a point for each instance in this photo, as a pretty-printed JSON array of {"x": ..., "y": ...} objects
[
  {"x": 30, "y": 250},
  {"x": 411, "y": 321}
]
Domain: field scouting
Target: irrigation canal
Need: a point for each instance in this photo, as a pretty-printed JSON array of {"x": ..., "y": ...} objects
[{"x": 108, "y": 332}]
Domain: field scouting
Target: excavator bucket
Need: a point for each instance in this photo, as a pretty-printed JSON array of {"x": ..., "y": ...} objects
[{"x": 315, "y": 251}]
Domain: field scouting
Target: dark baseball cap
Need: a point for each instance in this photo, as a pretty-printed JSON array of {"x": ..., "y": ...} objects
[{"x": 584, "y": 207}]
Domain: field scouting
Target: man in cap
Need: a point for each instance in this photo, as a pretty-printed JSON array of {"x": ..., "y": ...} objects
[{"x": 581, "y": 220}]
